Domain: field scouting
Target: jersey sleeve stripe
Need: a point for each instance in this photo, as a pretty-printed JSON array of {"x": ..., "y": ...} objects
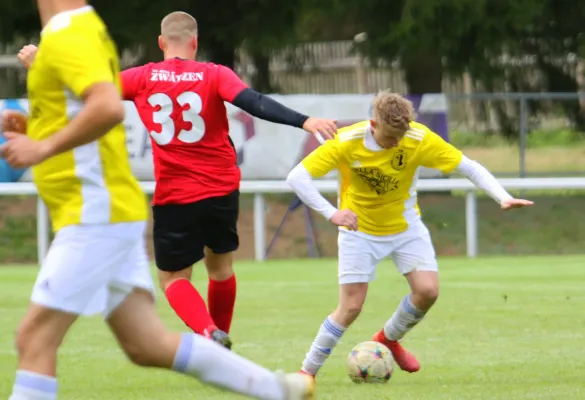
[
  {"x": 417, "y": 131},
  {"x": 351, "y": 133},
  {"x": 346, "y": 138},
  {"x": 414, "y": 136},
  {"x": 414, "y": 133}
]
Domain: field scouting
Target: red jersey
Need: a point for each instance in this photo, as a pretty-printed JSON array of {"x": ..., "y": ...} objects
[{"x": 181, "y": 104}]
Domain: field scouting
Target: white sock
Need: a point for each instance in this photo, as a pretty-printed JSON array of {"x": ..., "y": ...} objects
[
  {"x": 211, "y": 363},
  {"x": 327, "y": 338},
  {"x": 403, "y": 320},
  {"x": 32, "y": 386}
]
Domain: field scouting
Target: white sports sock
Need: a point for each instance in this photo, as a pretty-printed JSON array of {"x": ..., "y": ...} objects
[
  {"x": 211, "y": 363},
  {"x": 326, "y": 339},
  {"x": 32, "y": 386},
  {"x": 403, "y": 320}
]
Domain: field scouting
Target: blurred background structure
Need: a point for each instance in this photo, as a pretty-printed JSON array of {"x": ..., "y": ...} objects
[{"x": 510, "y": 77}]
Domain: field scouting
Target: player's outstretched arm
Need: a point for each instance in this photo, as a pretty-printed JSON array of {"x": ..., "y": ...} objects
[
  {"x": 231, "y": 89},
  {"x": 302, "y": 183},
  {"x": 261, "y": 106},
  {"x": 439, "y": 154},
  {"x": 484, "y": 180}
]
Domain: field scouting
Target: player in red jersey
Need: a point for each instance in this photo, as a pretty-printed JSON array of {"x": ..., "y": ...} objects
[{"x": 196, "y": 200}]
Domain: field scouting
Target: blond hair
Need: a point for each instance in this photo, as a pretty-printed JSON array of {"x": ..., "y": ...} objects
[
  {"x": 178, "y": 26},
  {"x": 393, "y": 110}
]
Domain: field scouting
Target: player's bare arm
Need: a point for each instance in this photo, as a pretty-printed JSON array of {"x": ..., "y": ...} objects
[{"x": 103, "y": 110}]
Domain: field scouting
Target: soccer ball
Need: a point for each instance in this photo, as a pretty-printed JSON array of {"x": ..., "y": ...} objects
[{"x": 370, "y": 362}]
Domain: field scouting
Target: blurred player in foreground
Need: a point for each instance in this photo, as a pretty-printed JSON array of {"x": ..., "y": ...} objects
[
  {"x": 379, "y": 217},
  {"x": 196, "y": 200},
  {"x": 97, "y": 262}
]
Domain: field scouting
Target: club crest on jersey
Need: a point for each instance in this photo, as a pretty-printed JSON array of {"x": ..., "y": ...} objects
[{"x": 399, "y": 160}]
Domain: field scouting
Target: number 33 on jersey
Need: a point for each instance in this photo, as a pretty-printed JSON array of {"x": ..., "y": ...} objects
[
  {"x": 181, "y": 104},
  {"x": 191, "y": 107}
]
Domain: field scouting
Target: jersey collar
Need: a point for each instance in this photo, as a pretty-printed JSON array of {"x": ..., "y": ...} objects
[{"x": 369, "y": 141}]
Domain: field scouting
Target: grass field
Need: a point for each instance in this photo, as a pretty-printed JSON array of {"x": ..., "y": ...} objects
[{"x": 504, "y": 328}]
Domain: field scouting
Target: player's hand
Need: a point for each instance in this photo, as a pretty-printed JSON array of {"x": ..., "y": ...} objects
[
  {"x": 321, "y": 126},
  {"x": 27, "y": 54},
  {"x": 13, "y": 121},
  {"x": 20, "y": 151},
  {"x": 345, "y": 218},
  {"x": 515, "y": 203}
]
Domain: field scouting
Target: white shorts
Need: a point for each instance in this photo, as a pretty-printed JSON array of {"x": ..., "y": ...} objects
[
  {"x": 360, "y": 253},
  {"x": 90, "y": 269}
]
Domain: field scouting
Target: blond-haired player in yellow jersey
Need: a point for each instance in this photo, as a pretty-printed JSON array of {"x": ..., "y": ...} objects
[
  {"x": 378, "y": 216},
  {"x": 75, "y": 142}
]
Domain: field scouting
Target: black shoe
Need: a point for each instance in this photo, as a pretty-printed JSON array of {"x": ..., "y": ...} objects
[{"x": 222, "y": 338}]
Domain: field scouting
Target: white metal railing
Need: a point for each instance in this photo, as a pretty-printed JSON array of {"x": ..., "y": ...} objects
[{"x": 260, "y": 188}]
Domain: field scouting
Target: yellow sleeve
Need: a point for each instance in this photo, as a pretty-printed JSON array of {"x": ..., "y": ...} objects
[
  {"x": 79, "y": 60},
  {"x": 438, "y": 154},
  {"x": 323, "y": 159}
]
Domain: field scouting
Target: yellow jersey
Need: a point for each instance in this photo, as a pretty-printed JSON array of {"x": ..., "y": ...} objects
[
  {"x": 378, "y": 184},
  {"x": 93, "y": 183}
]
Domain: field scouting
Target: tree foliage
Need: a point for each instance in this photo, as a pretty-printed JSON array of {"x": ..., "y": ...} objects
[
  {"x": 19, "y": 19},
  {"x": 430, "y": 38}
]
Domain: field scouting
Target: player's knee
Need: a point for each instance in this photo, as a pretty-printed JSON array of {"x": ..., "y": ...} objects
[
  {"x": 150, "y": 351},
  {"x": 425, "y": 288},
  {"x": 141, "y": 353},
  {"x": 353, "y": 297},
  {"x": 166, "y": 279},
  {"x": 138, "y": 354},
  {"x": 353, "y": 310},
  {"x": 220, "y": 274},
  {"x": 428, "y": 293},
  {"x": 22, "y": 338},
  {"x": 350, "y": 310},
  {"x": 347, "y": 314},
  {"x": 33, "y": 338},
  {"x": 219, "y": 266}
]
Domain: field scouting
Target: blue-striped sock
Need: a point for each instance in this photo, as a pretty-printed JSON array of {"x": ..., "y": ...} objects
[
  {"x": 403, "y": 320},
  {"x": 215, "y": 365},
  {"x": 327, "y": 338},
  {"x": 32, "y": 386}
]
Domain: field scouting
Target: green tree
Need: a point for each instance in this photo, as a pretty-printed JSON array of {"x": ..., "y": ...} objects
[
  {"x": 546, "y": 30},
  {"x": 19, "y": 19},
  {"x": 267, "y": 26},
  {"x": 258, "y": 26},
  {"x": 218, "y": 37},
  {"x": 435, "y": 38},
  {"x": 430, "y": 38},
  {"x": 557, "y": 37}
]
